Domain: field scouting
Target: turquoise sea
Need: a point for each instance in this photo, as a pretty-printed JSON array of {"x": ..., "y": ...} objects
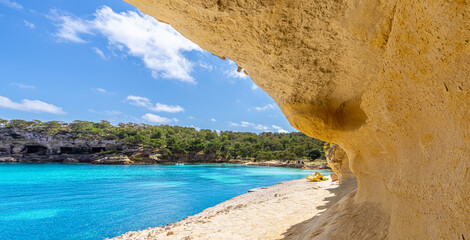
[{"x": 84, "y": 201}]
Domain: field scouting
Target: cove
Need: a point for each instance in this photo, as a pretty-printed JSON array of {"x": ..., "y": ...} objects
[{"x": 85, "y": 201}]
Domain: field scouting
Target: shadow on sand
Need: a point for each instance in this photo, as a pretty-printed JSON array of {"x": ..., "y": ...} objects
[{"x": 305, "y": 226}]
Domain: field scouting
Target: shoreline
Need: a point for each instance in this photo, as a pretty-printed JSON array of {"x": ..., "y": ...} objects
[
  {"x": 262, "y": 213},
  {"x": 113, "y": 161}
]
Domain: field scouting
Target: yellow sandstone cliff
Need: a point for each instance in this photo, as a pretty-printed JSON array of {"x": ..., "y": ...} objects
[
  {"x": 387, "y": 80},
  {"x": 338, "y": 161}
]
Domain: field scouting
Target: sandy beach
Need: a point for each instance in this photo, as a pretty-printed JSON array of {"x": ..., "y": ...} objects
[{"x": 265, "y": 213}]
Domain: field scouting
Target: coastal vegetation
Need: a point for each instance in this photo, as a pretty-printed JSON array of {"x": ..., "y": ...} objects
[{"x": 176, "y": 140}]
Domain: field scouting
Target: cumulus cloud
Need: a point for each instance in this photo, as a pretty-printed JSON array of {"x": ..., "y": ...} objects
[
  {"x": 157, "y": 119},
  {"x": 260, "y": 127},
  {"x": 157, "y": 107},
  {"x": 100, "y": 53},
  {"x": 265, "y": 107},
  {"x": 254, "y": 87},
  {"x": 106, "y": 112},
  {"x": 235, "y": 74},
  {"x": 232, "y": 71},
  {"x": 22, "y": 85},
  {"x": 206, "y": 66},
  {"x": 29, "y": 24},
  {"x": 213, "y": 120},
  {"x": 11, "y": 4},
  {"x": 249, "y": 124},
  {"x": 101, "y": 90},
  {"x": 158, "y": 45},
  {"x": 70, "y": 27},
  {"x": 279, "y": 129},
  {"x": 26, "y": 105},
  {"x": 197, "y": 128}
]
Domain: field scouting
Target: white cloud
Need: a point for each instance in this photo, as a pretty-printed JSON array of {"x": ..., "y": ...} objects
[
  {"x": 279, "y": 129},
  {"x": 197, "y": 128},
  {"x": 30, "y": 106},
  {"x": 206, "y": 66},
  {"x": 158, "y": 45},
  {"x": 112, "y": 112},
  {"x": 100, "y": 53},
  {"x": 265, "y": 107},
  {"x": 156, "y": 119},
  {"x": 11, "y": 4},
  {"x": 233, "y": 124},
  {"x": 157, "y": 107},
  {"x": 101, "y": 90},
  {"x": 258, "y": 126},
  {"x": 254, "y": 87},
  {"x": 246, "y": 124},
  {"x": 191, "y": 117},
  {"x": 22, "y": 85},
  {"x": 70, "y": 27},
  {"x": 107, "y": 112},
  {"x": 213, "y": 120},
  {"x": 29, "y": 24},
  {"x": 249, "y": 124},
  {"x": 232, "y": 72}
]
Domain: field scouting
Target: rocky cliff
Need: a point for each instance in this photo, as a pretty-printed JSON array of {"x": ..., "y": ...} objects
[
  {"x": 36, "y": 146},
  {"x": 18, "y": 141},
  {"x": 19, "y": 145},
  {"x": 386, "y": 80}
]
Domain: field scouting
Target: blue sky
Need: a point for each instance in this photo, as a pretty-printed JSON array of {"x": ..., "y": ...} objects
[{"x": 104, "y": 60}]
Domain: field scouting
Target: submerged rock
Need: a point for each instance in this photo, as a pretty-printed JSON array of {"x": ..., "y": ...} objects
[
  {"x": 120, "y": 159},
  {"x": 8, "y": 159},
  {"x": 70, "y": 160}
]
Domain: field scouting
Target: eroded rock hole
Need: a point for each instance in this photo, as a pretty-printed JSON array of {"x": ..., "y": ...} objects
[
  {"x": 97, "y": 149},
  {"x": 67, "y": 150},
  {"x": 35, "y": 149}
]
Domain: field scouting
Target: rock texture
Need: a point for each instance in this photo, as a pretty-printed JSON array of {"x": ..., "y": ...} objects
[
  {"x": 386, "y": 80},
  {"x": 338, "y": 161},
  {"x": 114, "y": 160},
  {"x": 18, "y": 141},
  {"x": 314, "y": 177}
]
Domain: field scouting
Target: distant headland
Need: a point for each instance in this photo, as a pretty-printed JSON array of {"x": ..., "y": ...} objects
[{"x": 130, "y": 143}]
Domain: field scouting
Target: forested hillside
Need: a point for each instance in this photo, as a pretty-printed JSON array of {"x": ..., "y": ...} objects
[{"x": 184, "y": 140}]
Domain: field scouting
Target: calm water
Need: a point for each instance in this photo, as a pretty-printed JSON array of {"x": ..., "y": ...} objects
[{"x": 82, "y": 201}]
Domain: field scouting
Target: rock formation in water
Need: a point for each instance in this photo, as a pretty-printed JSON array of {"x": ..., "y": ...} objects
[{"x": 388, "y": 81}]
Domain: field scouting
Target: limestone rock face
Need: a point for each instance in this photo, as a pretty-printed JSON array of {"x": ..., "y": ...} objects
[
  {"x": 71, "y": 160},
  {"x": 386, "y": 80},
  {"x": 334, "y": 177},
  {"x": 339, "y": 163},
  {"x": 315, "y": 177},
  {"x": 120, "y": 159},
  {"x": 7, "y": 159}
]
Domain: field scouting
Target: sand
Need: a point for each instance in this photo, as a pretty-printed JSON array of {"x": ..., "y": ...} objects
[{"x": 266, "y": 213}]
